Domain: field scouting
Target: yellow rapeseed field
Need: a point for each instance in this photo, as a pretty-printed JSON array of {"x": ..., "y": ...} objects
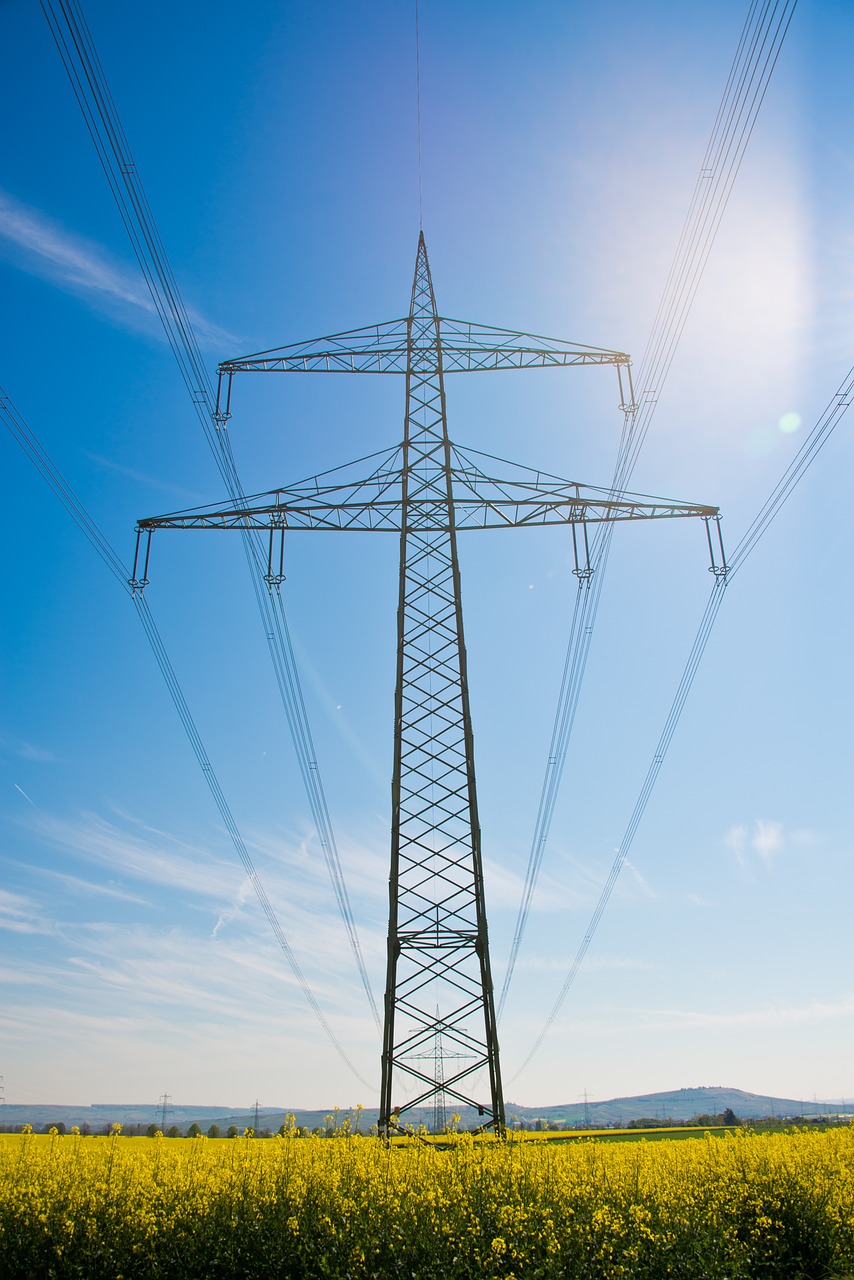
[{"x": 736, "y": 1205}]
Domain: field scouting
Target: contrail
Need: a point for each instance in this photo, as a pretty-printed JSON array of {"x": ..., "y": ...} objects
[{"x": 24, "y": 794}]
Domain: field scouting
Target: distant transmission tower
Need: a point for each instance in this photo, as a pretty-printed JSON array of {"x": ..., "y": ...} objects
[
  {"x": 164, "y": 1100},
  {"x": 427, "y": 490},
  {"x": 440, "y": 1118}
]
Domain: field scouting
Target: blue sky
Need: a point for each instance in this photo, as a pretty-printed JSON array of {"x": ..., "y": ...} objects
[{"x": 561, "y": 143}]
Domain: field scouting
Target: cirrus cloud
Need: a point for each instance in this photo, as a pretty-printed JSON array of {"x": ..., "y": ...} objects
[{"x": 33, "y": 242}]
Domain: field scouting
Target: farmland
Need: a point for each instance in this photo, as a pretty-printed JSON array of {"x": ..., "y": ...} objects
[{"x": 730, "y": 1205}]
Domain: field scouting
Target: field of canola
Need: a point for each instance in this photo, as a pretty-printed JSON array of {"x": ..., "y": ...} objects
[{"x": 737, "y": 1205}]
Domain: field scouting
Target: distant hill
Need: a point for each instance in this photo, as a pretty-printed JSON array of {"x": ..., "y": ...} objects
[
  {"x": 136, "y": 1117},
  {"x": 678, "y": 1105}
]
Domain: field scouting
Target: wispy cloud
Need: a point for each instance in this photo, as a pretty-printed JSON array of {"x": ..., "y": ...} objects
[
  {"x": 190, "y": 496},
  {"x": 291, "y": 870},
  {"x": 775, "y": 1016},
  {"x": 85, "y": 888},
  {"x": 28, "y": 751},
  {"x": 99, "y": 970},
  {"x": 640, "y": 882},
  {"x": 196, "y": 960},
  {"x": 37, "y": 244},
  {"x": 768, "y": 840},
  {"x": 160, "y": 1007},
  {"x": 659, "y": 1021},
  {"x": 143, "y": 853},
  {"x": 208, "y": 1006},
  {"x": 595, "y": 964},
  {"x": 570, "y": 884},
  {"x": 24, "y": 750},
  {"x": 763, "y": 840},
  {"x": 243, "y": 895},
  {"x": 19, "y": 915}
]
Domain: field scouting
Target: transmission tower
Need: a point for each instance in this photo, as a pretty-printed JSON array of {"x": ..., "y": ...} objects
[
  {"x": 440, "y": 1119},
  {"x": 164, "y": 1100},
  {"x": 427, "y": 490}
]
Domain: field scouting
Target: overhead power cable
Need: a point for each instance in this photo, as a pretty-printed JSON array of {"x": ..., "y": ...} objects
[
  {"x": 88, "y": 81},
  {"x": 50, "y": 473},
  {"x": 580, "y": 635},
  {"x": 794, "y": 473},
  {"x": 782, "y": 491},
  {"x": 649, "y": 782},
  {"x": 756, "y": 56}
]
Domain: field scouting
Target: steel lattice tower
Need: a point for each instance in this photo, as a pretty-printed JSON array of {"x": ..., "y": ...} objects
[
  {"x": 437, "y": 938},
  {"x": 428, "y": 489}
]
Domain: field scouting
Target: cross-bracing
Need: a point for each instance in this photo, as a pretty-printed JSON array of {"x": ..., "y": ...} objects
[{"x": 439, "y": 988}]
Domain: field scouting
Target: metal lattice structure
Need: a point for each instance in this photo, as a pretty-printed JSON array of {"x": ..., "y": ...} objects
[{"x": 439, "y": 987}]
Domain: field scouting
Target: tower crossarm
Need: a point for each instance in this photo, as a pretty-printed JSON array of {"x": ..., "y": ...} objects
[
  {"x": 343, "y": 498},
  {"x": 508, "y": 495},
  {"x": 480, "y": 502},
  {"x": 376, "y": 348},
  {"x": 467, "y": 347},
  {"x": 470, "y": 348}
]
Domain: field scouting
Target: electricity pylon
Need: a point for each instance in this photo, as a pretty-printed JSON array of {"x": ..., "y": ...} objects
[
  {"x": 440, "y": 1119},
  {"x": 427, "y": 490}
]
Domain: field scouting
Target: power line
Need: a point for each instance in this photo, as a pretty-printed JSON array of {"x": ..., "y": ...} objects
[
  {"x": 794, "y": 473},
  {"x": 573, "y": 670},
  {"x": 50, "y": 473},
  {"x": 756, "y": 56},
  {"x": 89, "y": 84},
  {"x": 685, "y": 683}
]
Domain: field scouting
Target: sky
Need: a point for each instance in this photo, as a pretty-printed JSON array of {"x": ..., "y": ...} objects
[{"x": 560, "y": 147}]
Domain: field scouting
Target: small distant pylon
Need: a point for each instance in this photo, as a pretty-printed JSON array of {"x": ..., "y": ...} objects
[
  {"x": 440, "y": 1118},
  {"x": 164, "y": 1100}
]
